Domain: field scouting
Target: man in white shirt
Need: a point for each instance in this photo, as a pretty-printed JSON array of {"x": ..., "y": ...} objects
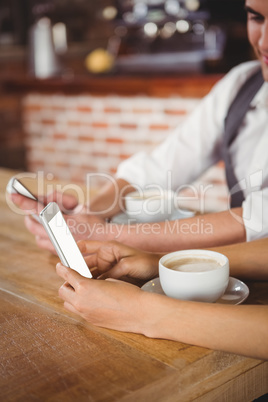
[{"x": 189, "y": 151}]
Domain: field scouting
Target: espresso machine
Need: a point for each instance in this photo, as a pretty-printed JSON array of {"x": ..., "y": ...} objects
[{"x": 166, "y": 35}]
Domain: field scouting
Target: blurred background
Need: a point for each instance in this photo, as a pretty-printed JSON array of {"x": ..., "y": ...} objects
[
  {"x": 86, "y": 83},
  {"x": 142, "y": 35}
]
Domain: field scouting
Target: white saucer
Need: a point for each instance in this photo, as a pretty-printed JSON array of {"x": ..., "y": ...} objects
[
  {"x": 178, "y": 214},
  {"x": 236, "y": 292}
]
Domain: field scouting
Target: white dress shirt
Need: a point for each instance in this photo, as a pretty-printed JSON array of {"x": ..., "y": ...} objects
[{"x": 195, "y": 145}]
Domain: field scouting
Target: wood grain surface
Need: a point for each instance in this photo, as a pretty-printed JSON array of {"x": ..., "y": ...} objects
[{"x": 48, "y": 354}]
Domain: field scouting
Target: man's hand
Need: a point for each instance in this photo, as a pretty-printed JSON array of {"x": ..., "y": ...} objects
[
  {"x": 66, "y": 202},
  {"x": 81, "y": 225}
]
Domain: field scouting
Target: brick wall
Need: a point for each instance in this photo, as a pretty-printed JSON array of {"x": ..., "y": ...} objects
[{"x": 70, "y": 136}]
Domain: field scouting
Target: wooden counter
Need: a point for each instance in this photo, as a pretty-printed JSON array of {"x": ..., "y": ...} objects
[
  {"x": 48, "y": 354},
  {"x": 195, "y": 86}
]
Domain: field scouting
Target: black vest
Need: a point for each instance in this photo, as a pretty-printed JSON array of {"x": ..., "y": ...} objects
[{"x": 233, "y": 120}]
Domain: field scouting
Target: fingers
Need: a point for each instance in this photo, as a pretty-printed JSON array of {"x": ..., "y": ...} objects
[
  {"x": 70, "y": 307},
  {"x": 98, "y": 256},
  {"x": 45, "y": 244},
  {"x": 70, "y": 276},
  {"x": 103, "y": 255},
  {"x": 40, "y": 234},
  {"x": 119, "y": 250},
  {"x": 114, "y": 260},
  {"x": 101, "y": 269},
  {"x": 66, "y": 202},
  {"x": 118, "y": 271},
  {"x": 35, "y": 227},
  {"x": 92, "y": 263},
  {"x": 67, "y": 294},
  {"x": 26, "y": 204},
  {"x": 90, "y": 246}
]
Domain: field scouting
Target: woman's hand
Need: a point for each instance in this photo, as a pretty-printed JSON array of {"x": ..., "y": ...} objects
[
  {"x": 111, "y": 304},
  {"x": 115, "y": 260}
]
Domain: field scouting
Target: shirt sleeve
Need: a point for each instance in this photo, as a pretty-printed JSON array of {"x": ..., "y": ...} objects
[
  {"x": 255, "y": 217},
  {"x": 190, "y": 149}
]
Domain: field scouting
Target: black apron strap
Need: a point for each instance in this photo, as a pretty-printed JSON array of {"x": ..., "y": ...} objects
[{"x": 233, "y": 120}]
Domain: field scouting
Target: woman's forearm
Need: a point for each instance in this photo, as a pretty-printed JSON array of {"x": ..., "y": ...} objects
[
  {"x": 236, "y": 329},
  {"x": 247, "y": 260},
  {"x": 124, "y": 307}
]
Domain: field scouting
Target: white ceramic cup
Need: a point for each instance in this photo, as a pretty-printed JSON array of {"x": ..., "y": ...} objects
[
  {"x": 207, "y": 283},
  {"x": 150, "y": 205}
]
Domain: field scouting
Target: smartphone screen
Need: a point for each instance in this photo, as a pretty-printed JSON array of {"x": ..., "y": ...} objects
[{"x": 67, "y": 245}]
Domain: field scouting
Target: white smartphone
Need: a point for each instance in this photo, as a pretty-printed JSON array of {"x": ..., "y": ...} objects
[
  {"x": 62, "y": 239},
  {"x": 15, "y": 186}
]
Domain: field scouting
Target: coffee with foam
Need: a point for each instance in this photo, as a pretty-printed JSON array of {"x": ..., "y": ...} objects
[
  {"x": 193, "y": 264},
  {"x": 197, "y": 275}
]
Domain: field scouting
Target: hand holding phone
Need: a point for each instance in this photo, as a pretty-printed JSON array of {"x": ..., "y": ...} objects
[
  {"x": 62, "y": 239},
  {"x": 15, "y": 186}
]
